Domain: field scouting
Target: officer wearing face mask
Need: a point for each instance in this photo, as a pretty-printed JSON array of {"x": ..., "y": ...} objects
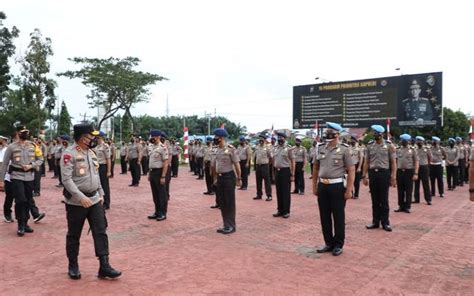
[
  {"x": 207, "y": 167},
  {"x": 452, "y": 163},
  {"x": 284, "y": 166},
  {"x": 438, "y": 153},
  {"x": 159, "y": 160},
  {"x": 462, "y": 162},
  {"x": 21, "y": 158},
  {"x": 83, "y": 197},
  {"x": 408, "y": 166},
  {"x": 105, "y": 167},
  {"x": 424, "y": 156},
  {"x": 313, "y": 151},
  {"x": 380, "y": 167},
  {"x": 332, "y": 162},
  {"x": 263, "y": 157},
  {"x": 358, "y": 156},
  {"x": 134, "y": 155},
  {"x": 300, "y": 155},
  {"x": 164, "y": 140}
]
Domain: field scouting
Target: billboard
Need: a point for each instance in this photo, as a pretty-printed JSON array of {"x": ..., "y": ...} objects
[{"x": 407, "y": 100}]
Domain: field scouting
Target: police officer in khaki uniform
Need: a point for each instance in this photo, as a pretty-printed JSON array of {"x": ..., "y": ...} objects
[
  {"x": 380, "y": 167},
  {"x": 207, "y": 167},
  {"x": 300, "y": 155},
  {"x": 226, "y": 172},
  {"x": 199, "y": 159},
  {"x": 83, "y": 198},
  {"x": 452, "y": 163},
  {"x": 245, "y": 155},
  {"x": 284, "y": 166},
  {"x": 190, "y": 156},
  {"x": 462, "y": 162},
  {"x": 358, "y": 156},
  {"x": 332, "y": 162},
  {"x": 166, "y": 142},
  {"x": 22, "y": 158},
  {"x": 424, "y": 157},
  {"x": 263, "y": 158},
  {"x": 313, "y": 151},
  {"x": 103, "y": 156},
  {"x": 471, "y": 174},
  {"x": 144, "y": 160},
  {"x": 175, "y": 153},
  {"x": 123, "y": 156},
  {"x": 468, "y": 152},
  {"x": 113, "y": 156},
  {"x": 134, "y": 155},
  {"x": 407, "y": 165},
  {"x": 436, "y": 166},
  {"x": 159, "y": 166}
]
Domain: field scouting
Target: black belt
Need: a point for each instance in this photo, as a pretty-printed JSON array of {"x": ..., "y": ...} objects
[
  {"x": 279, "y": 169},
  {"x": 15, "y": 169},
  {"x": 404, "y": 170},
  {"x": 90, "y": 194},
  {"x": 262, "y": 164},
  {"x": 226, "y": 174},
  {"x": 155, "y": 169},
  {"x": 378, "y": 170}
]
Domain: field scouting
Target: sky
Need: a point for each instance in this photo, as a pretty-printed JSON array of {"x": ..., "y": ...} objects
[{"x": 241, "y": 59}]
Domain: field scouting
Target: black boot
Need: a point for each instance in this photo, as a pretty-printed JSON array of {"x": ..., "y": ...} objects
[
  {"x": 107, "y": 271},
  {"x": 74, "y": 272}
]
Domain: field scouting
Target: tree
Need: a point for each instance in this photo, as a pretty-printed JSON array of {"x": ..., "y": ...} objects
[
  {"x": 38, "y": 89},
  {"x": 64, "y": 122},
  {"x": 115, "y": 84},
  {"x": 7, "y": 49}
]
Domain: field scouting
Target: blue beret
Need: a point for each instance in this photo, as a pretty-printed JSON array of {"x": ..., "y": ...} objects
[
  {"x": 164, "y": 135},
  {"x": 405, "y": 137},
  {"x": 436, "y": 139},
  {"x": 241, "y": 138},
  {"x": 334, "y": 126},
  {"x": 283, "y": 135},
  {"x": 458, "y": 139},
  {"x": 209, "y": 139},
  {"x": 65, "y": 137},
  {"x": 102, "y": 134},
  {"x": 220, "y": 132},
  {"x": 262, "y": 135},
  {"x": 451, "y": 140},
  {"x": 155, "y": 133},
  {"x": 378, "y": 128},
  {"x": 420, "y": 138}
]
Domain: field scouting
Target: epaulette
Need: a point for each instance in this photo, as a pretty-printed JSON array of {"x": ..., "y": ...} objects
[
  {"x": 320, "y": 144},
  {"x": 371, "y": 142},
  {"x": 78, "y": 149},
  {"x": 345, "y": 144},
  {"x": 230, "y": 146}
]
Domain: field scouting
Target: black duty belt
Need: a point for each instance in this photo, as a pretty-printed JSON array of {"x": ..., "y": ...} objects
[
  {"x": 156, "y": 169},
  {"x": 90, "y": 194},
  {"x": 378, "y": 170},
  {"x": 15, "y": 169},
  {"x": 279, "y": 169},
  {"x": 405, "y": 170},
  {"x": 231, "y": 173}
]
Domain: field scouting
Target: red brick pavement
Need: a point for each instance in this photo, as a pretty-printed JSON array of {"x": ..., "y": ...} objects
[{"x": 430, "y": 251}]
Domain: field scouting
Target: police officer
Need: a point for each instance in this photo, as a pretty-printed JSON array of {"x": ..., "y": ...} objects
[
  {"x": 358, "y": 156},
  {"x": 226, "y": 170},
  {"x": 273, "y": 144},
  {"x": 471, "y": 174},
  {"x": 463, "y": 160},
  {"x": 144, "y": 160},
  {"x": 245, "y": 155},
  {"x": 407, "y": 164},
  {"x": 207, "y": 167},
  {"x": 436, "y": 166},
  {"x": 313, "y": 151},
  {"x": 175, "y": 153},
  {"x": 199, "y": 159},
  {"x": 468, "y": 152},
  {"x": 190, "y": 156},
  {"x": 284, "y": 166},
  {"x": 452, "y": 163},
  {"x": 83, "y": 198},
  {"x": 263, "y": 158},
  {"x": 113, "y": 156},
  {"x": 380, "y": 167},
  {"x": 164, "y": 140},
  {"x": 300, "y": 155},
  {"x": 103, "y": 157},
  {"x": 133, "y": 157},
  {"x": 123, "y": 156},
  {"x": 63, "y": 144},
  {"x": 424, "y": 157},
  {"x": 21, "y": 158},
  {"x": 332, "y": 162},
  {"x": 159, "y": 160}
]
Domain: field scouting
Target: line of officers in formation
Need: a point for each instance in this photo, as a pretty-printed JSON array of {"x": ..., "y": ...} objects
[{"x": 337, "y": 168}]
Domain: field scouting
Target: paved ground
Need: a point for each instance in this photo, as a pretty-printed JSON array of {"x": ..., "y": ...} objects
[{"x": 430, "y": 251}]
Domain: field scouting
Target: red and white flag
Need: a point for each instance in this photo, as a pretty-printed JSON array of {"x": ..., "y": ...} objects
[{"x": 186, "y": 142}]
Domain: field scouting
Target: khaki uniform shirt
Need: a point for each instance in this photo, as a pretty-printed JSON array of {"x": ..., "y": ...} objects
[
  {"x": 313, "y": 151},
  {"x": 113, "y": 151},
  {"x": 380, "y": 155},
  {"x": 282, "y": 156},
  {"x": 452, "y": 155},
  {"x": 103, "y": 153},
  {"x": 406, "y": 157},
  {"x": 437, "y": 154},
  {"x": 463, "y": 154},
  {"x": 207, "y": 153},
  {"x": 423, "y": 155},
  {"x": 224, "y": 159},
  {"x": 58, "y": 151},
  {"x": 80, "y": 174},
  {"x": 133, "y": 150},
  {"x": 243, "y": 152},
  {"x": 300, "y": 153},
  {"x": 199, "y": 151},
  {"x": 123, "y": 150},
  {"x": 176, "y": 150},
  {"x": 334, "y": 161},
  {"x": 158, "y": 154},
  {"x": 263, "y": 154},
  {"x": 18, "y": 155}
]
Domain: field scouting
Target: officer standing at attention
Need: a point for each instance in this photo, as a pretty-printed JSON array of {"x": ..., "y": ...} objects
[
  {"x": 452, "y": 163},
  {"x": 164, "y": 140},
  {"x": 175, "y": 153},
  {"x": 207, "y": 167},
  {"x": 436, "y": 166},
  {"x": 263, "y": 157},
  {"x": 300, "y": 154},
  {"x": 123, "y": 156},
  {"x": 103, "y": 157},
  {"x": 158, "y": 170},
  {"x": 332, "y": 162},
  {"x": 190, "y": 156},
  {"x": 284, "y": 165},
  {"x": 471, "y": 175},
  {"x": 313, "y": 151},
  {"x": 245, "y": 155},
  {"x": 407, "y": 164},
  {"x": 113, "y": 155},
  {"x": 380, "y": 167},
  {"x": 21, "y": 158},
  {"x": 226, "y": 170},
  {"x": 199, "y": 157},
  {"x": 463, "y": 160},
  {"x": 424, "y": 157},
  {"x": 358, "y": 155},
  {"x": 144, "y": 160},
  {"x": 272, "y": 169},
  {"x": 133, "y": 157},
  {"x": 82, "y": 192}
]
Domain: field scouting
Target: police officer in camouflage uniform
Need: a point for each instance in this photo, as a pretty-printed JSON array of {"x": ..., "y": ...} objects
[
  {"x": 159, "y": 169},
  {"x": 21, "y": 158},
  {"x": 83, "y": 199},
  {"x": 332, "y": 162}
]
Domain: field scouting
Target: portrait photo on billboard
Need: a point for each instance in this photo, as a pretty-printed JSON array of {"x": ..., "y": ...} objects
[{"x": 420, "y": 100}]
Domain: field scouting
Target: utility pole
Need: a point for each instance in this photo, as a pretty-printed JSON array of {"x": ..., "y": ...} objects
[{"x": 167, "y": 106}]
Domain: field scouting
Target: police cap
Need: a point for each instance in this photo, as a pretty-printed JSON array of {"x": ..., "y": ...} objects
[
  {"x": 405, "y": 137},
  {"x": 378, "y": 128},
  {"x": 420, "y": 138},
  {"x": 155, "y": 133},
  {"x": 84, "y": 128},
  {"x": 335, "y": 126},
  {"x": 436, "y": 139},
  {"x": 221, "y": 132}
]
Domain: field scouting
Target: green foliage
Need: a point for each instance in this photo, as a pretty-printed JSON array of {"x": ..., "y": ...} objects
[
  {"x": 64, "y": 122},
  {"x": 115, "y": 84},
  {"x": 7, "y": 49}
]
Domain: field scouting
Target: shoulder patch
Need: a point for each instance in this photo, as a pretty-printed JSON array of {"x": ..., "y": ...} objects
[{"x": 67, "y": 158}]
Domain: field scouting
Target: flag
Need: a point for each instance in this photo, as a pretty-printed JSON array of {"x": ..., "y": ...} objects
[
  {"x": 316, "y": 129},
  {"x": 272, "y": 130}
]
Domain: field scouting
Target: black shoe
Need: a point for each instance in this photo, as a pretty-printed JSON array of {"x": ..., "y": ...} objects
[
  {"x": 153, "y": 217},
  {"x": 240, "y": 188},
  {"x": 407, "y": 211},
  {"x": 336, "y": 251},
  {"x": 211, "y": 193},
  {"x": 324, "y": 249},
  {"x": 39, "y": 218},
  {"x": 36, "y": 194},
  {"x": 131, "y": 185},
  {"x": 215, "y": 207},
  {"x": 372, "y": 226},
  {"x": 73, "y": 270},
  {"x": 205, "y": 193},
  {"x": 294, "y": 192},
  {"x": 286, "y": 216},
  {"x": 416, "y": 201},
  {"x": 387, "y": 228},
  {"x": 398, "y": 210},
  {"x": 228, "y": 230},
  {"x": 277, "y": 214},
  {"x": 429, "y": 203},
  {"x": 301, "y": 193},
  {"x": 28, "y": 229},
  {"x": 243, "y": 188},
  {"x": 269, "y": 198},
  {"x": 20, "y": 231},
  {"x": 257, "y": 197},
  {"x": 107, "y": 271},
  {"x": 161, "y": 218},
  {"x": 8, "y": 219},
  {"x": 441, "y": 195},
  {"x": 106, "y": 207}
]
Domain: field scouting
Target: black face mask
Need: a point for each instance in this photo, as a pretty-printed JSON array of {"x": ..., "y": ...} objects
[
  {"x": 404, "y": 143},
  {"x": 314, "y": 144},
  {"x": 162, "y": 140},
  {"x": 377, "y": 137},
  {"x": 261, "y": 142},
  {"x": 281, "y": 141},
  {"x": 353, "y": 144},
  {"x": 216, "y": 141},
  {"x": 451, "y": 145},
  {"x": 132, "y": 141},
  {"x": 65, "y": 144},
  {"x": 298, "y": 144},
  {"x": 420, "y": 145},
  {"x": 93, "y": 143},
  {"x": 24, "y": 135},
  {"x": 242, "y": 143},
  {"x": 153, "y": 140}
]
